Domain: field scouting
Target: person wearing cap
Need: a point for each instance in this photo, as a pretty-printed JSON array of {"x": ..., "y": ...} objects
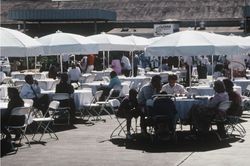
[
  {"x": 146, "y": 93},
  {"x": 129, "y": 109},
  {"x": 172, "y": 87}
]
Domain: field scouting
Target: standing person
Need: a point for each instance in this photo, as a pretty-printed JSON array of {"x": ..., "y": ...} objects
[
  {"x": 83, "y": 64},
  {"x": 14, "y": 101},
  {"x": 31, "y": 90},
  {"x": 146, "y": 92},
  {"x": 52, "y": 72},
  {"x": 129, "y": 109},
  {"x": 65, "y": 87},
  {"x": 202, "y": 67},
  {"x": 74, "y": 74},
  {"x": 188, "y": 61},
  {"x": 136, "y": 63},
  {"x": 116, "y": 66},
  {"x": 91, "y": 62},
  {"x": 126, "y": 65}
]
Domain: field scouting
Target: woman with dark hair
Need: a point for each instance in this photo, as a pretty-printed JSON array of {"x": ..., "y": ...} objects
[
  {"x": 65, "y": 87},
  {"x": 235, "y": 108},
  {"x": 14, "y": 101},
  {"x": 201, "y": 115}
]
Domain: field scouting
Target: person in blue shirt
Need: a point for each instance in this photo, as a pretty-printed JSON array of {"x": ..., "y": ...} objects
[{"x": 115, "y": 83}]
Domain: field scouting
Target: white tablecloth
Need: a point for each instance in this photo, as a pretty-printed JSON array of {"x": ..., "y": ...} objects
[
  {"x": 209, "y": 91},
  {"x": 242, "y": 83},
  {"x": 80, "y": 96},
  {"x": 20, "y": 76},
  {"x": 183, "y": 105}
]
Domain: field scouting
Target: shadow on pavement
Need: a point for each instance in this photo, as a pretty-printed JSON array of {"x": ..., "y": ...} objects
[{"x": 184, "y": 143}]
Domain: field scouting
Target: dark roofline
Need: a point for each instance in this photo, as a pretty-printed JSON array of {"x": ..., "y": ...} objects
[{"x": 62, "y": 15}]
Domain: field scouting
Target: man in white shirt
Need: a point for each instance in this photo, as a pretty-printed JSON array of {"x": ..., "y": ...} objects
[
  {"x": 126, "y": 65},
  {"x": 31, "y": 90},
  {"x": 74, "y": 74},
  {"x": 172, "y": 87}
]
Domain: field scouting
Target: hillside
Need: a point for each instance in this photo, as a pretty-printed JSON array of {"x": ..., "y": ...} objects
[{"x": 140, "y": 10}]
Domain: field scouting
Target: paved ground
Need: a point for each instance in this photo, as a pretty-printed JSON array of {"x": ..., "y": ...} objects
[{"x": 84, "y": 144}]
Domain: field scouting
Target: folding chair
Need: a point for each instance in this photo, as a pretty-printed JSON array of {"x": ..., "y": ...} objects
[
  {"x": 115, "y": 103},
  {"x": 62, "y": 111},
  {"x": 104, "y": 105},
  {"x": 45, "y": 122},
  {"x": 21, "y": 128},
  {"x": 88, "y": 107},
  {"x": 163, "y": 118}
]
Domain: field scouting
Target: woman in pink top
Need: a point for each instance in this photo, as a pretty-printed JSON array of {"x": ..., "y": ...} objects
[{"x": 116, "y": 66}]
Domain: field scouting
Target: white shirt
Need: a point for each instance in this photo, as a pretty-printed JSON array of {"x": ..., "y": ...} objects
[
  {"x": 74, "y": 74},
  {"x": 126, "y": 63},
  {"x": 27, "y": 92},
  {"x": 176, "y": 89}
]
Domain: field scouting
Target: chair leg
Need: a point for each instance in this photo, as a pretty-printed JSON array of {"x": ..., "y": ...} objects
[{"x": 120, "y": 125}]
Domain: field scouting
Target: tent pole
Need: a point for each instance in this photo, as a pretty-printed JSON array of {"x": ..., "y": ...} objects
[
  {"x": 27, "y": 62},
  {"x": 61, "y": 63}
]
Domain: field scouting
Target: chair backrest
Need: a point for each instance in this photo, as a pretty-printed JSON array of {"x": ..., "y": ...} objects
[
  {"x": 106, "y": 79},
  {"x": 20, "y": 111},
  {"x": 54, "y": 105},
  {"x": 224, "y": 105},
  {"x": 115, "y": 103},
  {"x": 61, "y": 96},
  {"x": 28, "y": 102},
  {"x": 164, "y": 105},
  {"x": 98, "y": 94},
  {"x": 124, "y": 91},
  {"x": 110, "y": 94}
]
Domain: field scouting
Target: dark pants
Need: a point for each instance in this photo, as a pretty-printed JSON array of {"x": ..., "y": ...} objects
[
  {"x": 71, "y": 104},
  {"x": 126, "y": 72},
  {"x": 42, "y": 103}
]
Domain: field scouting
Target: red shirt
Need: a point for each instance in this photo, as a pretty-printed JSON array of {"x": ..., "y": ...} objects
[{"x": 91, "y": 59}]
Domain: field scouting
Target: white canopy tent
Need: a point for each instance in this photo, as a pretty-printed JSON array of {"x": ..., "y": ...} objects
[
  {"x": 193, "y": 43},
  {"x": 108, "y": 42},
  {"x": 17, "y": 44},
  {"x": 140, "y": 43},
  {"x": 60, "y": 43}
]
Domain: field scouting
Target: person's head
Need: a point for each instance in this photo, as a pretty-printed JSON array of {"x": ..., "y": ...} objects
[
  {"x": 172, "y": 79},
  {"x": 156, "y": 82},
  {"x": 132, "y": 94},
  {"x": 73, "y": 66},
  {"x": 29, "y": 79},
  {"x": 113, "y": 74},
  {"x": 219, "y": 86},
  {"x": 228, "y": 85},
  {"x": 13, "y": 93},
  {"x": 64, "y": 77}
]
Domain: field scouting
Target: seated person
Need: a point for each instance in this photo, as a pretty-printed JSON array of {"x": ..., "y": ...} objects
[
  {"x": 31, "y": 90},
  {"x": 129, "y": 109},
  {"x": 14, "y": 101},
  {"x": 172, "y": 87},
  {"x": 146, "y": 93},
  {"x": 201, "y": 115},
  {"x": 235, "y": 108},
  {"x": 114, "y": 83},
  {"x": 65, "y": 87},
  {"x": 74, "y": 74}
]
